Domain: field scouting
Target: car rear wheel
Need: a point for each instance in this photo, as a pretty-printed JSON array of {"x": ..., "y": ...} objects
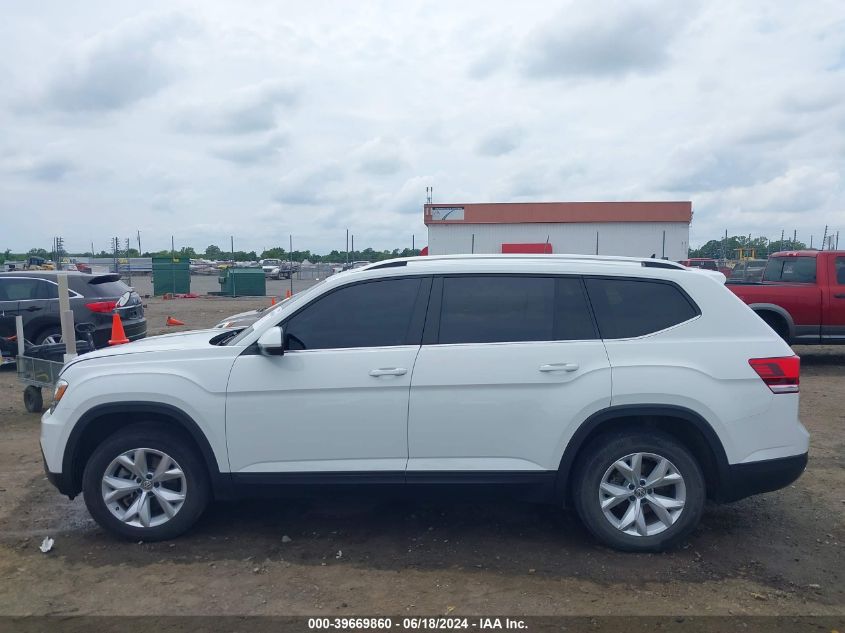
[
  {"x": 49, "y": 336},
  {"x": 639, "y": 491},
  {"x": 145, "y": 483}
]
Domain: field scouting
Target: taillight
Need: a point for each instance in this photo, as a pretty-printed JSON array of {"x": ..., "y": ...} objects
[
  {"x": 780, "y": 374},
  {"x": 101, "y": 306}
]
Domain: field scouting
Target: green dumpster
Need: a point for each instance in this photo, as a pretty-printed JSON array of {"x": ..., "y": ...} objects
[
  {"x": 171, "y": 275},
  {"x": 242, "y": 282}
]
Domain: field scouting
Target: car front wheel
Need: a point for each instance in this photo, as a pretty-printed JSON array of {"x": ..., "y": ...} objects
[
  {"x": 145, "y": 483},
  {"x": 639, "y": 491}
]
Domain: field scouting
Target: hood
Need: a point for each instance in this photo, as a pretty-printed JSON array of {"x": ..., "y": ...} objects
[
  {"x": 166, "y": 342},
  {"x": 242, "y": 318}
]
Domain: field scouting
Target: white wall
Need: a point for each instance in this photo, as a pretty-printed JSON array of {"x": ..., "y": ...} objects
[{"x": 632, "y": 239}]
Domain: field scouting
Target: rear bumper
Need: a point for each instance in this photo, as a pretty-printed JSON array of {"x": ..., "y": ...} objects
[
  {"x": 754, "y": 478},
  {"x": 134, "y": 330}
]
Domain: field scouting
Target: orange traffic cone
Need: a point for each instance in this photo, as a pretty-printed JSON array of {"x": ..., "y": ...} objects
[
  {"x": 172, "y": 321},
  {"x": 288, "y": 294},
  {"x": 118, "y": 336},
  {"x": 272, "y": 301}
]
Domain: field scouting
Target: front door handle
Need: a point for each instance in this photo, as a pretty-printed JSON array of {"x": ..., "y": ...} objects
[
  {"x": 559, "y": 367},
  {"x": 33, "y": 309},
  {"x": 389, "y": 371}
]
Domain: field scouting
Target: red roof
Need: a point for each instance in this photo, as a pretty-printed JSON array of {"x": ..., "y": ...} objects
[{"x": 556, "y": 212}]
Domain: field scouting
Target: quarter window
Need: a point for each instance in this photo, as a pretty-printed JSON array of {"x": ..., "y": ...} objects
[
  {"x": 371, "y": 314},
  {"x": 626, "y": 308}
]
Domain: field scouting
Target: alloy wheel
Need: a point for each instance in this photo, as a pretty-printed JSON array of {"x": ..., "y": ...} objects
[
  {"x": 144, "y": 487},
  {"x": 642, "y": 494}
]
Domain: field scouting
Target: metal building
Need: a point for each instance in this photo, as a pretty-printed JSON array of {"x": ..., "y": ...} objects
[{"x": 635, "y": 229}]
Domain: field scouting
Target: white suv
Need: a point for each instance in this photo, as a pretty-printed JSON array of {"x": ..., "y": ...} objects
[{"x": 630, "y": 389}]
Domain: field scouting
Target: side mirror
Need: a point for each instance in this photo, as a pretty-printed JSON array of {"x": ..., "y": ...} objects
[{"x": 271, "y": 343}]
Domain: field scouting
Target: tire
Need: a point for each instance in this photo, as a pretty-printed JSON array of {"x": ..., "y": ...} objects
[
  {"x": 51, "y": 334},
  {"x": 121, "y": 515},
  {"x": 645, "y": 518},
  {"x": 32, "y": 399}
]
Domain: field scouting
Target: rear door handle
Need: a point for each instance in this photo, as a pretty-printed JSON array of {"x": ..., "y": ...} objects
[
  {"x": 33, "y": 309},
  {"x": 389, "y": 371},
  {"x": 841, "y": 295},
  {"x": 559, "y": 367}
]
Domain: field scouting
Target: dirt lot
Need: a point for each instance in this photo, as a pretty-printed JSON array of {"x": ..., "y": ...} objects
[{"x": 780, "y": 553}]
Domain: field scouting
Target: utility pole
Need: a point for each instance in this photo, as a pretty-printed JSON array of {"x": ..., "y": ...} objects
[
  {"x": 231, "y": 268},
  {"x": 290, "y": 263},
  {"x": 128, "y": 262},
  {"x": 347, "y": 246}
]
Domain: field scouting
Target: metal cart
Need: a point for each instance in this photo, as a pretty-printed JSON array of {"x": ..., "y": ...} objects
[{"x": 37, "y": 373}]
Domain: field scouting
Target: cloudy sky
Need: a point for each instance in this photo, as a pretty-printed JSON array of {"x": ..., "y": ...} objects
[{"x": 259, "y": 119}]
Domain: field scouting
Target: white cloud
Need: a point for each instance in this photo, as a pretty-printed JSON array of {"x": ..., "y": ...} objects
[
  {"x": 258, "y": 121},
  {"x": 115, "y": 68}
]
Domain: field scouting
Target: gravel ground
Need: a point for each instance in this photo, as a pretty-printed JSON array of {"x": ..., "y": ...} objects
[{"x": 775, "y": 554}]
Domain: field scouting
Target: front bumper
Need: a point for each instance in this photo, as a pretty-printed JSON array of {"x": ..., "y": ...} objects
[
  {"x": 754, "y": 478},
  {"x": 57, "y": 479}
]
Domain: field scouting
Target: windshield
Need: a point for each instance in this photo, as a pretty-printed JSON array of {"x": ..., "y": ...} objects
[
  {"x": 272, "y": 262},
  {"x": 275, "y": 314}
]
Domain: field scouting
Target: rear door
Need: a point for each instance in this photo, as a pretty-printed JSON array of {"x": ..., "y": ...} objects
[
  {"x": 8, "y": 298},
  {"x": 833, "y": 329},
  {"x": 802, "y": 297},
  {"x": 509, "y": 366},
  {"x": 30, "y": 298}
]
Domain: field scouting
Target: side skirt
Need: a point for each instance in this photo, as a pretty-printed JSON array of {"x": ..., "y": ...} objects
[{"x": 531, "y": 485}]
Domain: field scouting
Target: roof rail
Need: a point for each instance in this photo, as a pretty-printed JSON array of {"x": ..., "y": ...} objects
[{"x": 639, "y": 261}]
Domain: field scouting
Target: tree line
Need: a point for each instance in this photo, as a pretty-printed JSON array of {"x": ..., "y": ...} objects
[
  {"x": 214, "y": 252},
  {"x": 729, "y": 248}
]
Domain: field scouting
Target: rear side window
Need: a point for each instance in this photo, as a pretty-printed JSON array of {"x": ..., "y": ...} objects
[
  {"x": 501, "y": 308},
  {"x": 840, "y": 271},
  {"x": 626, "y": 308},
  {"x": 26, "y": 289},
  {"x": 791, "y": 269},
  {"x": 372, "y": 314}
]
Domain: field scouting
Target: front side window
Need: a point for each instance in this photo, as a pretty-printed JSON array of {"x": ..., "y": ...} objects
[
  {"x": 371, "y": 314},
  {"x": 791, "y": 269},
  {"x": 500, "y": 308},
  {"x": 626, "y": 308}
]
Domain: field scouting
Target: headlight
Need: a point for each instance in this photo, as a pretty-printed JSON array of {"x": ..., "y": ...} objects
[{"x": 58, "y": 394}]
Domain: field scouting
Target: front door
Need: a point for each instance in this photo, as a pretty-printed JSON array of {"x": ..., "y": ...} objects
[{"x": 337, "y": 400}]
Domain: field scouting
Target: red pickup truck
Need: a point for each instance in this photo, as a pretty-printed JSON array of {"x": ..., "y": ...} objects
[{"x": 801, "y": 296}]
